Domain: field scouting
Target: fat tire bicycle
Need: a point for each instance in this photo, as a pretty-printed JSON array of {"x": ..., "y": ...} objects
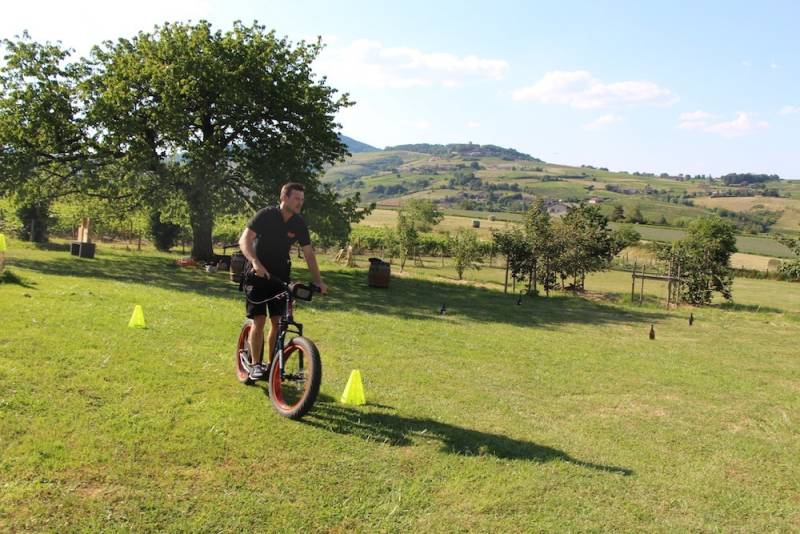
[{"x": 294, "y": 371}]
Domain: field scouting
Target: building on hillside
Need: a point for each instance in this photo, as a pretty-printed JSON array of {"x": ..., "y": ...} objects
[
  {"x": 595, "y": 200},
  {"x": 559, "y": 209}
]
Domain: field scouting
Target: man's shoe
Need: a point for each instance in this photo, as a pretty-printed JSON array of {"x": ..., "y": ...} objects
[{"x": 256, "y": 371}]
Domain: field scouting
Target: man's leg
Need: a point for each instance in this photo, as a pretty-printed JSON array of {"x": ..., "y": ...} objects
[
  {"x": 257, "y": 338},
  {"x": 273, "y": 334}
]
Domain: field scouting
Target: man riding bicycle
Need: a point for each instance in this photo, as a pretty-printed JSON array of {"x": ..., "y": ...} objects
[{"x": 266, "y": 242}]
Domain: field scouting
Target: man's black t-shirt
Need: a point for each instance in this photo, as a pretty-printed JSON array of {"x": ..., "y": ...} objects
[{"x": 276, "y": 237}]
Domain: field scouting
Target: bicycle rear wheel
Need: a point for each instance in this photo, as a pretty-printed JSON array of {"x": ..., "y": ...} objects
[
  {"x": 243, "y": 353},
  {"x": 294, "y": 390}
]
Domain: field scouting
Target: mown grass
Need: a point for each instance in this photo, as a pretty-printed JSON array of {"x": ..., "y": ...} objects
[{"x": 556, "y": 414}]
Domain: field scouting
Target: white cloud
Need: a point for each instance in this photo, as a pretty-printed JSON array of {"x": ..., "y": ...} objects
[
  {"x": 602, "y": 121},
  {"x": 774, "y": 66},
  {"x": 367, "y": 63},
  {"x": 743, "y": 124},
  {"x": 473, "y": 124},
  {"x": 747, "y": 63},
  {"x": 790, "y": 110},
  {"x": 579, "y": 89}
]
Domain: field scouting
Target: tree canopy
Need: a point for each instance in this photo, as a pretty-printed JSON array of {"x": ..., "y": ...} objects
[
  {"x": 218, "y": 120},
  {"x": 703, "y": 259}
]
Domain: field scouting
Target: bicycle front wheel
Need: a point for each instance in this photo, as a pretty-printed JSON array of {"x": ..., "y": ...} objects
[
  {"x": 294, "y": 388},
  {"x": 243, "y": 353}
]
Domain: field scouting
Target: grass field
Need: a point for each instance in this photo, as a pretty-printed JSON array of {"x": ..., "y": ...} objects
[
  {"x": 789, "y": 220},
  {"x": 559, "y": 414}
]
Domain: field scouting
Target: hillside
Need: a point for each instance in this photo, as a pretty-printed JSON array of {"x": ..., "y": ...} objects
[
  {"x": 496, "y": 183},
  {"x": 357, "y": 146},
  {"x": 467, "y": 150}
]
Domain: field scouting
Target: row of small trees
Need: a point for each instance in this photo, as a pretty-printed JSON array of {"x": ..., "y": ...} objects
[
  {"x": 411, "y": 238},
  {"x": 552, "y": 253},
  {"x": 559, "y": 253}
]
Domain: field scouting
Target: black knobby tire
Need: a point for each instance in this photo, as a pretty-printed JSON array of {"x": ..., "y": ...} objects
[
  {"x": 294, "y": 394},
  {"x": 242, "y": 373}
]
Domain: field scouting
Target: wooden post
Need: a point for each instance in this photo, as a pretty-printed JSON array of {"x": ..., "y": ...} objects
[
  {"x": 633, "y": 283},
  {"x": 641, "y": 292},
  {"x": 669, "y": 286},
  {"x": 505, "y": 286}
]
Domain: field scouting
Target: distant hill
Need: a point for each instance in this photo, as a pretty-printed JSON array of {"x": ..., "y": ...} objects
[
  {"x": 467, "y": 150},
  {"x": 489, "y": 178},
  {"x": 357, "y": 146}
]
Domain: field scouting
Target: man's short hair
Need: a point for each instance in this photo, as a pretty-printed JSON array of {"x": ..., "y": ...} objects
[{"x": 291, "y": 186}]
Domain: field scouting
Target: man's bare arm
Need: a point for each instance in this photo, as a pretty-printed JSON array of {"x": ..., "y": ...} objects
[
  {"x": 311, "y": 260},
  {"x": 247, "y": 244}
]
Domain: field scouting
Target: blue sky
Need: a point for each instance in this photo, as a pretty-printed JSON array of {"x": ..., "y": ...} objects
[{"x": 679, "y": 87}]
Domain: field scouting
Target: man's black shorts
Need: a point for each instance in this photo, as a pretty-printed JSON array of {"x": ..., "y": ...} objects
[{"x": 262, "y": 290}]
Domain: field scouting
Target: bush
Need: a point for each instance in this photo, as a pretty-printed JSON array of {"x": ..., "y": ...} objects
[
  {"x": 35, "y": 219},
  {"x": 164, "y": 234}
]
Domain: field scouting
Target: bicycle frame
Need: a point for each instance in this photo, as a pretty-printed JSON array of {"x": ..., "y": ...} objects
[{"x": 285, "y": 324}]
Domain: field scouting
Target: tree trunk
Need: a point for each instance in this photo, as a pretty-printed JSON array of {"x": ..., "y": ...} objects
[
  {"x": 547, "y": 280},
  {"x": 34, "y": 217},
  {"x": 201, "y": 218}
]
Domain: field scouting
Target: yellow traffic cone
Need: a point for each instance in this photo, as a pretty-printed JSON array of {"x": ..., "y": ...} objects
[
  {"x": 354, "y": 390},
  {"x": 137, "y": 319}
]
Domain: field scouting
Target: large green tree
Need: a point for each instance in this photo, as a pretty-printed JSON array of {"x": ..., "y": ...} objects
[
  {"x": 215, "y": 120},
  {"x": 43, "y": 153},
  {"x": 218, "y": 118}
]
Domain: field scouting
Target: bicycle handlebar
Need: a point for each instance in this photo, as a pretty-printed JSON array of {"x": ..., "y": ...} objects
[{"x": 293, "y": 289}]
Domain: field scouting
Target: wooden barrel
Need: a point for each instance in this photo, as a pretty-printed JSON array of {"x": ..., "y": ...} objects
[
  {"x": 379, "y": 272},
  {"x": 224, "y": 262},
  {"x": 237, "y": 266}
]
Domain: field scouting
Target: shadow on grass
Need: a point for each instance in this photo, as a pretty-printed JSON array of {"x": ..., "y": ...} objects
[
  {"x": 10, "y": 278},
  {"x": 133, "y": 268},
  {"x": 396, "y": 430},
  {"x": 52, "y": 246},
  {"x": 406, "y": 297},
  {"x": 417, "y": 298}
]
